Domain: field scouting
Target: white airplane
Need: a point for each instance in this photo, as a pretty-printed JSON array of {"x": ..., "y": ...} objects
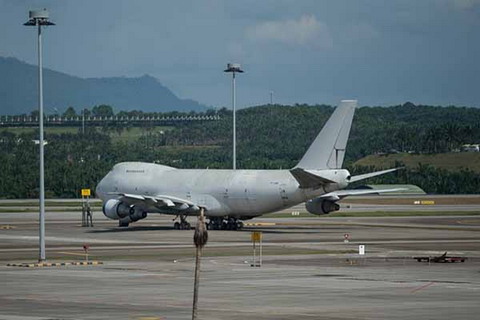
[{"x": 133, "y": 189}]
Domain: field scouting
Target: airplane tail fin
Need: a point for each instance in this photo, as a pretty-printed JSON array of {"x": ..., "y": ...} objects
[{"x": 328, "y": 149}]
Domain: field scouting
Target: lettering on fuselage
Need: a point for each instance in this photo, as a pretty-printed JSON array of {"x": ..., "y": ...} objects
[{"x": 135, "y": 171}]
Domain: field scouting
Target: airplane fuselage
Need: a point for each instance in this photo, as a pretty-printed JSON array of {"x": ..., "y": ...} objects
[{"x": 235, "y": 193}]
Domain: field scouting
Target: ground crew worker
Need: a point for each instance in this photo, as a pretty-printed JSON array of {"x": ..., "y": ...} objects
[
  {"x": 84, "y": 215},
  {"x": 89, "y": 216}
]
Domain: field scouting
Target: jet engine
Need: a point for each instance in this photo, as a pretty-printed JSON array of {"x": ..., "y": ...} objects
[
  {"x": 321, "y": 206},
  {"x": 115, "y": 209},
  {"x": 136, "y": 214}
]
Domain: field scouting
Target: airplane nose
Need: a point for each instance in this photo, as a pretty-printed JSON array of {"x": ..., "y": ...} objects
[{"x": 99, "y": 190}]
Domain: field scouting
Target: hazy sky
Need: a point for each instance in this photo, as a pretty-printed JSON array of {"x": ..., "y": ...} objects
[{"x": 379, "y": 52}]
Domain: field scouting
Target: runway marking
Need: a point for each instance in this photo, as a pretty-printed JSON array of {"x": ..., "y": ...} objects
[
  {"x": 422, "y": 287},
  {"x": 54, "y": 264},
  {"x": 73, "y": 253},
  {"x": 468, "y": 222}
]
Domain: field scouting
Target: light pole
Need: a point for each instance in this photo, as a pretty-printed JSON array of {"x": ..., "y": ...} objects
[
  {"x": 233, "y": 68},
  {"x": 39, "y": 18}
]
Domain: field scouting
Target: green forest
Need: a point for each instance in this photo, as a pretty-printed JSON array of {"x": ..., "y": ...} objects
[{"x": 268, "y": 137}]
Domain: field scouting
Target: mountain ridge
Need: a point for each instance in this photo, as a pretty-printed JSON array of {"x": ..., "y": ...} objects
[{"x": 19, "y": 91}]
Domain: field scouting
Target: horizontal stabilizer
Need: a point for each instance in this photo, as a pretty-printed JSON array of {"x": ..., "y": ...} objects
[
  {"x": 372, "y": 174},
  {"x": 337, "y": 195},
  {"x": 308, "y": 178}
]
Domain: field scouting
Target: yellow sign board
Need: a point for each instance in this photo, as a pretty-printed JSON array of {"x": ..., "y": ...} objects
[
  {"x": 85, "y": 192},
  {"x": 428, "y": 202},
  {"x": 256, "y": 236}
]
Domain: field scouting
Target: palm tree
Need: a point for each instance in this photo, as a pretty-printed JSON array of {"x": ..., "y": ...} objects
[{"x": 200, "y": 238}]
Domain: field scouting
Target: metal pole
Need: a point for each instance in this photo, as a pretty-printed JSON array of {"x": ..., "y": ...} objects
[
  {"x": 261, "y": 253},
  {"x": 83, "y": 121},
  {"x": 42, "y": 182},
  {"x": 254, "y": 254},
  {"x": 234, "y": 124}
]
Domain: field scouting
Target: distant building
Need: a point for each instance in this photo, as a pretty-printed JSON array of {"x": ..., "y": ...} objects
[{"x": 471, "y": 148}]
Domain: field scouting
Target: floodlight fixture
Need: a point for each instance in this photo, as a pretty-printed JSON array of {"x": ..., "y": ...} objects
[
  {"x": 38, "y": 18},
  {"x": 234, "y": 68}
]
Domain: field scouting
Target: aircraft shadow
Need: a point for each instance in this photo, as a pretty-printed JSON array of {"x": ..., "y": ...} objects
[
  {"x": 136, "y": 229},
  {"x": 290, "y": 230}
]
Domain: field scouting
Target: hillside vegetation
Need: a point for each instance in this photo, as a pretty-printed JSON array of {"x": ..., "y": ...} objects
[
  {"x": 269, "y": 137},
  {"x": 453, "y": 161}
]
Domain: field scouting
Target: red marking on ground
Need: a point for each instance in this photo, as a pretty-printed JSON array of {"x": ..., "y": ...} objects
[{"x": 422, "y": 287}]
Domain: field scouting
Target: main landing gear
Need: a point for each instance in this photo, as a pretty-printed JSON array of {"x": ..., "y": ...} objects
[
  {"x": 224, "y": 223},
  {"x": 183, "y": 224},
  {"x": 123, "y": 224}
]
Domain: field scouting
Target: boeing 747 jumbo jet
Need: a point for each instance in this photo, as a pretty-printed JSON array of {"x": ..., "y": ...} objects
[{"x": 133, "y": 189}]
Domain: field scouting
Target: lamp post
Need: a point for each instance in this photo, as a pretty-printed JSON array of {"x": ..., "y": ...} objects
[
  {"x": 39, "y": 18},
  {"x": 234, "y": 68}
]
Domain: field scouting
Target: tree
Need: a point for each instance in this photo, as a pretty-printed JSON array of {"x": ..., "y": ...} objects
[
  {"x": 70, "y": 112},
  {"x": 102, "y": 110}
]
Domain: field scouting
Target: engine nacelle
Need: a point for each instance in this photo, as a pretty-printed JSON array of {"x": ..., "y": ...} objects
[
  {"x": 137, "y": 214},
  {"x": 321, "y": 206},
  {"x": 115, "y": 209}
]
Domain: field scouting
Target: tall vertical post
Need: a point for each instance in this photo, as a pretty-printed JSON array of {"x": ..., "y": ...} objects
[
  {"x": 83, "y": 122},
  {"x": 234, "y": 123},
  {"x": 233, "y": 68},
  {"x": 42, "y": 256},
  {"x": 39, "y": 18},
  {"x": 200, "y": 238}
]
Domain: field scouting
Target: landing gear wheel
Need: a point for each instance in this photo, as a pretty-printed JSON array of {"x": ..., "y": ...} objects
[
  {"x": 182, "y": 225},
  {"x": 123, "y": 224},
  {"x": 225, "y": 223}
]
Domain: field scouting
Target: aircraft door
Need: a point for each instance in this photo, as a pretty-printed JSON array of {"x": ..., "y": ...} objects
[{"x": 283, "y": 193}]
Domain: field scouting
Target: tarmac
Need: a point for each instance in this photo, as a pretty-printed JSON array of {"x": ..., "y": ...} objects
[{"x": 308, "y": 271}]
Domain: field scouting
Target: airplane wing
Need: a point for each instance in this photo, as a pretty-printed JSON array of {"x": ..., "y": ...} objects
[
  {"x": 340, "y": 194},
  {"x": 169, "y": 204}
]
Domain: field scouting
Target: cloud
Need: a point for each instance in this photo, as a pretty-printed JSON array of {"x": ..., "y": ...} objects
[{"x": 305, "y": 31}]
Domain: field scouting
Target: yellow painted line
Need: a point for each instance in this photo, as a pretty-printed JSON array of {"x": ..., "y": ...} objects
[
  {"x": 72, "y": 253},
  {"x": 6, "y": 227},
  {"x": 424, "y": 202}
]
